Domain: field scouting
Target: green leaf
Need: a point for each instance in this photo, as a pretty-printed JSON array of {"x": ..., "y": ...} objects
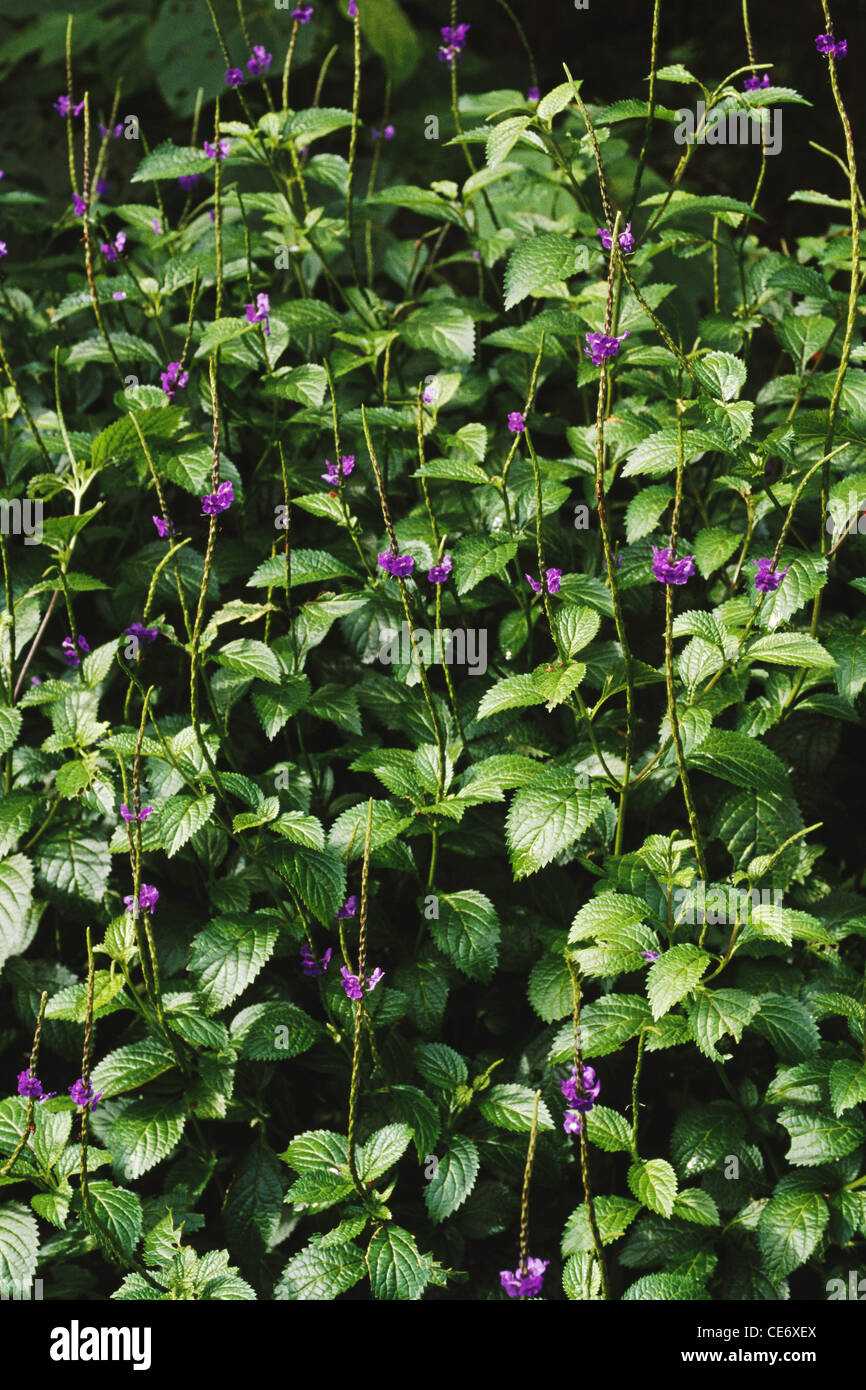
[
  {"x": 817, "y": 1137},
  {"x": 250, "y": 658},
  {"x": 467, "y": 930},
  {"x": 741, "y": 760},
  {"x": 74, "y": 865},
  {"x": 454, "y": 1178},
  {"x": 644, "y": 510},
  {"x": 382, "y": 1150},
  {"x": 71, "y": 1003},
  {"x": 847, "y": 1084},
  {"x": 665, "y": 1288},
  {"x": 790, "y": 649},
  {"x": 441, "y": 1065},
  {"x": 788, "y": 1025},
  {"x": 512, "y": 692},
  {"x": 170, "y": 161},
  {"x": 539, "y": 267},
  {"x": 115, "y": 1211},
  {"x": 721, "y": 373},
  {"x": 717, "y": 1012},
  {"x": 556, "y": 684},
  {"x": 693, "y": 1204},
  {"x": 713, "y": 547},
  {"x": 549, "y": 989},
  {"x": 613, "y": 1217},
  {"x": 317, "y": 876},
  {"x": 10, "y": 727},
  {"x": 274, "y": 1032},
  {"x": 789, "y": 1229},
  {"x": 477, "y": 558},
  {"x": 389, "y": 33},
  {"x": 547, "y": 817},
  {"x": 316, "y": 1148},
  {"x": 654, "y": 1182},
  {"x": 321, "y": 1273},
  {"x": 608, "y": 911},
  {"x": 146, "y": 1133},
  {"x": 503, "y": 137},
  {"x": 674, "y": 975},
  {"x": 179, "y": 818},
  {"x": 127, "y": 1068},
  {"x": 19, "y": 1250},
  {"x": 445, "y": 330},
  {"x": 398, "y": 1271},
  {"x": 608, "y": 1130},
  {"x": 604, "y": 1026},
  {"x": 706, "y": 1134},
  {"x": 511, "y": 1107},
  {"x": 253, "y": 1205},
  {"x": 276, "y": 707},
  {"x": 16, "y": 894},
  {"x": 228, "y": 955}
]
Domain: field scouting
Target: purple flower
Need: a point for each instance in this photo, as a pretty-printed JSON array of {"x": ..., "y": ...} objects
[
  {"x": 70, "y": 656},
  {"x": 211, "y": 150},
  {"x": 303, "y": 15},
  {"x": 767, "y": 579},
  {"x": 598, "y": 346},
  {"x": 455, "y": 41},
  {"x": 825, "y": 43},
  {"x": 105, "y": 130},
  {"x": 173, "y": 379},
  {"x": 400, "y": 566},
  {"x": 582, "y": 1098},
  {"x": 389, "y": 132},
  {"x": 516, "y": 422},
  {"x": 82, "y": 1093},
  {"x": 31, "y": 1087},
  {"x": 144, "y": 634},
  {"x": 162, "y": 527},
  {"x": 349, "y": 908},
  {"x": 618, "y": 562},
  {"x": 258, "y": 312},
  {"x": 103, "y": 188},
  {"x": 2, "y": 249},
  {"x": 79, "y": 205},
  {"x": 310, "y": 965},
  {"x": 156, "y": 226},
  {"x": 119, "y": 294},
  {"x": 353, "y": 984},
  {"x": 187, "y": 180},
  {"x": 525, "y": 1281},
  {"x": 552, "y": 581},
  {"x": 63, "y": 105},
  {"x": 625, "y": 239},
  {"x": 130, "y": 815},
  {"x": 220, "y": 501},
  {"x": 353, "y": 9},
  {"x": 533, "y": 94},
  {"x": 260, "y": 61},
  {"x": 439, "y": 573},
  {"x": 234, "y": 77},
  {"x": 572, "y": 1122},
  {"x": 751, "y": 84},
  {"x": 36, "y": 680},
  {"x": 111, "y": 250},
  {"x": 670, "y": 571},
  {"x": 148, "y": 898},
  {"x": 651, "y": 956},
  {"x": 347, "y": 463}
]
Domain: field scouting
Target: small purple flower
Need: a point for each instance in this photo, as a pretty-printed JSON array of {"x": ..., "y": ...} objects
[
  {"x": 31, "y": 1087},
  {"x": 400, "y": 566},
  {"x": 260, "y": 61},
  {"x": 130, "y": 815},
  {"x": 156, "y": 227},
  {"x": 439, "y": 573},
  {"x": 751, "y": 84},
  {"x": 61, "y": 105},
  {"x": 303, "y": 14},
  {"x": 516, "y": 422},
  {"x": 767, "y": 580},
  {"x": 144, "y": 634},
  {"x": 826, "y": 44},
  {"x": 162, "y": 527},
  {"x": 553, "y": 578},
  {"x": 618, "y": 562},
  {"x": 211, "y": 150},
  {"x": 148, "y": 898},
  {"x": 669, "y": 571},
  {"x": 349, "y": 908},
  {"x": 388, "y": 133},
  {"x": 582, "y": 1098},
  {"x": 347, "y": 463},
  {"x": 82, "y": 1093},
  {"x": 354, "y": 984},
  {"x": 3, "y": 249},
  {"x": 625, "y": 239},
  {"x": 36, "y": 680},
  {"x": 70, "y": 656},
  {"x": 526, "y": 1281},
  {"x": 103, "y": 188},
  {"x": 258, "y": 312},
  {"x": 651, "y": 956},
  {"x": 599, "y": 346},
  {"x": 79, "y": 205},
  {"x": 310, "y": 965},
  {"x": 572, "y": 1122},
  {"x": 353, "y": 9},
  {"x": 220, "y": 501},
  {"x": 533, "y": 94},
  {"x": 111, "y": 250},
  {"x": 119, "y": 294},
  {"x": 455, "y": 41},
  {"x": 187, "y": 180},
  {"x": 105, "y": 130},
  {"x": 234, "y": 77},
  {"x": 173, "y": 379}
]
